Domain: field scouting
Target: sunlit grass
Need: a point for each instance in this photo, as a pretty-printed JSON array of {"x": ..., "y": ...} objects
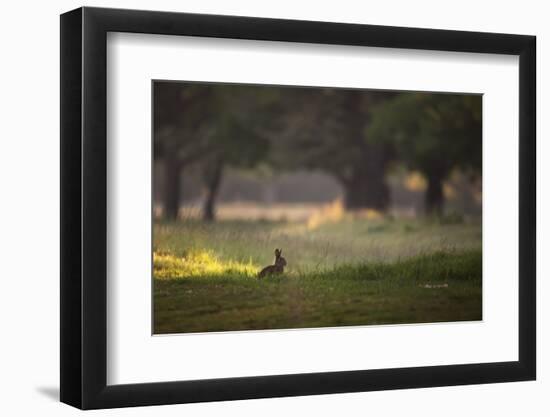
[{"x": 198, "y": 264}]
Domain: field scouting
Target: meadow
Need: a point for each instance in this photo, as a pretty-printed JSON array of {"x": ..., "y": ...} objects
[{"x": 354, "y": 271}]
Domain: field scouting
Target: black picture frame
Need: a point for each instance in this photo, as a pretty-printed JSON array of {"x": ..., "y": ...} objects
[{"x": 84, "y": 207}]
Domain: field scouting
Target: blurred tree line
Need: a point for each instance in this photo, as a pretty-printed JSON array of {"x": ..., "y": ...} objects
[{"x": 357, "y": 136}]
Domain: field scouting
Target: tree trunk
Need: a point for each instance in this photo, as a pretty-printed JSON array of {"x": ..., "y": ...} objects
[
  {"x": 434, "y": 195},
  {"x": 367, "y": 189},
  {"x": 377, "y": 193},
  {"x": 172, "y": 183},
  {"x": 354, "y": 197},
  {"x": 213, "y": 186}
]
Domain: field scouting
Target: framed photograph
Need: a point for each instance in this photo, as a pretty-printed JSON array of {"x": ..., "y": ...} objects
[{"x": 257, "y": 208}]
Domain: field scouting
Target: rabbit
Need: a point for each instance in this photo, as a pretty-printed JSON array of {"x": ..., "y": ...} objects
[{"x": 277, "y": 268}]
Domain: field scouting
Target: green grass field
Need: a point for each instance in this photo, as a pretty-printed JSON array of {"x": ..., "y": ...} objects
[{"x": 351, "y": 272}]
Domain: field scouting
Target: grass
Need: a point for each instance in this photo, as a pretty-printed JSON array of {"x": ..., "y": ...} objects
[{"x": 353, "y": 272}]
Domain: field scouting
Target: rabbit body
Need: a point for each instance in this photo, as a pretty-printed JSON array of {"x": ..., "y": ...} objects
[{"x": 277, "y": 268}]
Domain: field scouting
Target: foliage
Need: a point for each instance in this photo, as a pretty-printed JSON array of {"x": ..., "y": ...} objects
[
  {"x": 326, "y": 131},
  {"x": 352, "y": 134},
  {"x": 224, "y": 119},
  {"x": 212, "y": 126},
  {"x": 431, "y": 133}
]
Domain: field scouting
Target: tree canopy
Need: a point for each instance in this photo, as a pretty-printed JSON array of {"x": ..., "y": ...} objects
[
  {"x": 212, "y": 126},
  {"x": 354, "y": 135},
  {"x": 431, "y": 133}
]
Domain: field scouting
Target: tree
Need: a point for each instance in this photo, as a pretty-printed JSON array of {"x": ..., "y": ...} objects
[
  {"x": 432, "y": 133},
  {"x": 327, "y": 131},
  {"x": 209, "y": 125},
  {"x": 237, "y": 139},
  {"x": 180, "y": 123}
]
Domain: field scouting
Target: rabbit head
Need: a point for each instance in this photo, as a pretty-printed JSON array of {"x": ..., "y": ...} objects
[{"x": 279, "y": 260}]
